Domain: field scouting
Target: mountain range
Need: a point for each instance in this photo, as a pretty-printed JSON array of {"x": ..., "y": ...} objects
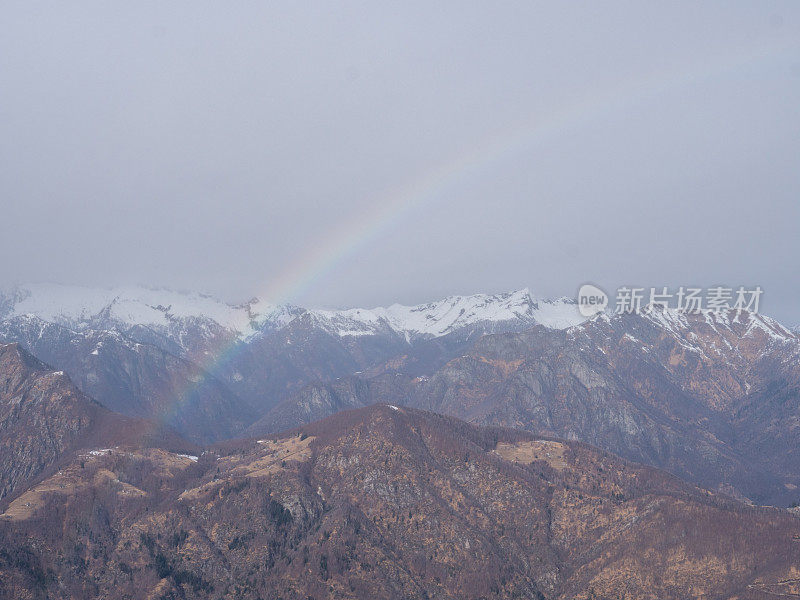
[
  {"x": 711, "y": 397},
  {"x": 379, "y": 502},
  {"x": 209, "y": 369},
  {"x": 168, "y": 445}
]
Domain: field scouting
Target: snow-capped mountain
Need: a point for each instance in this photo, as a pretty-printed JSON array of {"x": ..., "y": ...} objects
[
  {"x": 661, "y": 387},
  {"x": 172, "y": 355},
  {"x": 487, "y": 312},
  {"x": 81, "y": 308},
  {"x": 714, "y": 333},
  {"x": 713, "y": 397}
]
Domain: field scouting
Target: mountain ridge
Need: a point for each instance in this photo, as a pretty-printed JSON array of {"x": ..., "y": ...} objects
[
  {"x": 388, "y": 502},
  {"x": 83, "y": 307},
  {"x": 44, "y": 418},
  {"x": 708, "y": 397}
]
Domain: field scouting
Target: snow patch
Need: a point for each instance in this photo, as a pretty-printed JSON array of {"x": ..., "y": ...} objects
[{"x": 101, "y": 452}]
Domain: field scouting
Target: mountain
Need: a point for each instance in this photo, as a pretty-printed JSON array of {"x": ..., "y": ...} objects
[
  {"x": 710, "y": 397},
  {"x": 44, "y": 420},
  {"x": 317, "y": 401},
  {"x": 184, "y": 323},
  {"x": 388, "y": 502},
  {"x": 478, "y": 313},
  {"x": 175, "y": 314},
  {"x": 136, "y": 379},
  {"x": 209, "y": 369}
]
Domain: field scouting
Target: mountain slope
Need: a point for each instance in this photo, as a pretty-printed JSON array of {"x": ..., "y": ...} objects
[
  {"x": 712, "y": 398},
  {"x": 209, "y": 368},
  {"x": 388, "y": 502},
  {"x": 135, "y": 379},
  {"x": 317, "y": 401},
  {"x": 44, "y": 418}
]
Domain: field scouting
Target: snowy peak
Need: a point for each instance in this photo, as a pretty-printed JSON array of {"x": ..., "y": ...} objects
[
  {"x": 742, "y": 324},
  {"x": 82, "y": 308},
  {"x": 443, "y": 317},
  {"x": 728, "y": 336},
  {"x": 487, "y": 312}
]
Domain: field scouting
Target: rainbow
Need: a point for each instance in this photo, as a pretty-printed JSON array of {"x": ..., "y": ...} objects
[{"x": 356, "y": 232}]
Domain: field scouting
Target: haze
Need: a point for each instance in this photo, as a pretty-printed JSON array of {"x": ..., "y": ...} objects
[{"x": 367, "y": 153}]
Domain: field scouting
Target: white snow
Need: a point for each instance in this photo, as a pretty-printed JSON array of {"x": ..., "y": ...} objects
[
  {"x": 393, "y": 407},
  {"x": 77, "y": 307},
  {"x": 678, "y": 322},
  {"x": 772, "y": 328},
  {"x": 450, "y": 314},
  {"x": 82, "y": 308},
  {"x": 704, "y": 332},
  {"x": 191, "y": 457},
  {"x": 558, "y": 314},
  {"x": 102, "y": 452},
  {"x": 442, "y": 317}
]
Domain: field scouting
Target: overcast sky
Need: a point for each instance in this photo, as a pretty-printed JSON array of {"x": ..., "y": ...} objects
[{"x": 340, "y": 154}]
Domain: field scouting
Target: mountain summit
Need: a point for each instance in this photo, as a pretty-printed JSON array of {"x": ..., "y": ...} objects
[{"x": 80, "y": 308}]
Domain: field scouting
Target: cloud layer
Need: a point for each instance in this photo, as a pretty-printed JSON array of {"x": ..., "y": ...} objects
[{"x": 365, "y": 153}]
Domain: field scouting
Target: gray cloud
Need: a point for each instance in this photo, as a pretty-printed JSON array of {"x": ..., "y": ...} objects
[{"x": 211, "y": 146}]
